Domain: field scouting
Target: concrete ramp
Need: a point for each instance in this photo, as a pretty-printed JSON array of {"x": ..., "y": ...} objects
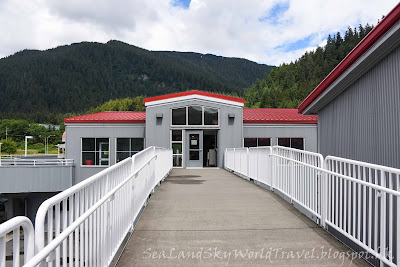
[{"x": 212, "y": 217}]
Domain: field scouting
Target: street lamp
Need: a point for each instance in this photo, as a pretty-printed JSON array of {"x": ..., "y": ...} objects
[
  {"x": 47, "y": 143},
  {"x": 26, "y": 144},
  {"x": 0, "y": 154}
]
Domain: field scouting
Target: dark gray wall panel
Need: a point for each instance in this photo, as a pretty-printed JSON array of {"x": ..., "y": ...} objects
[{"x": 363, "y": 123}]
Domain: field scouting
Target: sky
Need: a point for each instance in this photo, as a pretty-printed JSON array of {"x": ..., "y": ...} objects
[{"x": 265, "y": 31}]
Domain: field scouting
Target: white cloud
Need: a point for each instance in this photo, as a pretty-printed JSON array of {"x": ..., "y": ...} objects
[{"x": 222, "y": 27}]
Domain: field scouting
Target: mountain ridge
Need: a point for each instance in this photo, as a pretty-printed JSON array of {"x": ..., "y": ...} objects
[{"x": 80, "y": 76}]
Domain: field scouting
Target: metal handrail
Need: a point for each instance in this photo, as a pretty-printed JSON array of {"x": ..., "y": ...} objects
[
  {"x": 13, "y": 225},
  {"x": 334, "y": 184}
]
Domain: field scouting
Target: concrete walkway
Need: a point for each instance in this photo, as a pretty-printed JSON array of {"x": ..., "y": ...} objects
[{"x": 212, "y": 217}]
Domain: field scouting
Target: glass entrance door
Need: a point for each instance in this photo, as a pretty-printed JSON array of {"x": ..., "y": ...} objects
[{"x": 194, "y": 155}]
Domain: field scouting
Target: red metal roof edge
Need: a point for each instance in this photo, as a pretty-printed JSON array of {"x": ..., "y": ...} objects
[
  {"x": 193, "y": 92},
  {"x": 85, "y": 119},
  {"x": 69, "y": 120},
  {"x": 282, "y": 121},
  {"x": 372, "y": 37}
]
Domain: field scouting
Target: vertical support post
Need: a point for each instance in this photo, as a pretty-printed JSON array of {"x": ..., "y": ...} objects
[
  {"x": 248, "y": 163},
  {"x": 291, "y": 179},
  {"x": 234, "y": 160},
  {"x": 324, "y": 193}
]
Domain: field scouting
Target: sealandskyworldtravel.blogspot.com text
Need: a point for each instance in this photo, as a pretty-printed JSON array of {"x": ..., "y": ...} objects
[{"x": 270, "y": 255}]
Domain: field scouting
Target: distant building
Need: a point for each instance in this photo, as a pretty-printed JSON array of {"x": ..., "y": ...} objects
[{"x": 358, "y": 103}]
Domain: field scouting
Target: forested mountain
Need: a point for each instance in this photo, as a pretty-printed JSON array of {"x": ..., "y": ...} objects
[
  {"x": 78, "y": 77},
  {"x": 289, "y": 84}
]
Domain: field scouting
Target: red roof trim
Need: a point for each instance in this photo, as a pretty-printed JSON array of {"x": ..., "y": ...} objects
[
  {"x": 193, "y": 92},
  {"x": 276, "y": 115},
  {"x": 282, "y": 121},
  {"x": 373, "y": 36},
  {"x": 70, "y": 120},
  {"x": 110, "y": 117}
]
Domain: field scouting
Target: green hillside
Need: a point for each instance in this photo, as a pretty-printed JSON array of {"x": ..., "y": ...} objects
[{"x": 78, "y": 77}]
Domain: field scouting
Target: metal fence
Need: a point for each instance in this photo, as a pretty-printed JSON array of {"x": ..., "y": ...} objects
[
  {"x": 86, "y": 224},
  {"x": 11, "y": 230},
  {"x": 361, "y": 201},
  {"x": 36, "y": 162}
]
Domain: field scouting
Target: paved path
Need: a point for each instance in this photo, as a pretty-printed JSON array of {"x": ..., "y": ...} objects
[{"x": 211, "y": 217}]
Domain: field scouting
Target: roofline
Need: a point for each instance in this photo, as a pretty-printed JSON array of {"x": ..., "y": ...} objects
[
  {"x": 193, "y": 92},
  {"x": 103, "y": 121},
  {"x": 372, "y": 37},
  {"x": 282, "y": 121}
]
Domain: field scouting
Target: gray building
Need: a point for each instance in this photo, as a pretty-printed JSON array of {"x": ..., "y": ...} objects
[
  {"x": 358, "y": 102},
  {"x": 197, "y": 125}
]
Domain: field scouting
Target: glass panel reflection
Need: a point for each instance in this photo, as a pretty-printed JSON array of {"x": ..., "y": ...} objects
[
  {"x": 195, "y": 115},
  {"x": 210, "y": 116}
]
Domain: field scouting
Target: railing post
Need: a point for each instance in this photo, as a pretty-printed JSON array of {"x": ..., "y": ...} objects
[
  {"x": 324, "y": 192},
  {"x": 291, "y": 179},
  {"x": 234, "y": 159},
  {"x": 248, "y": 163}
]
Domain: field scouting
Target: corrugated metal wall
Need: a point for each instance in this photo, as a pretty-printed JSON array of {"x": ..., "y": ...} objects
[{"x": 363, "y": 123}]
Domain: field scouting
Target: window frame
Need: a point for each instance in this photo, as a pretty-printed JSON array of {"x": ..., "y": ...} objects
[
  {"x": 189, "y": 126},
  {"x": 94, "y": 165},
  {"x": 290, "y": 138},
  {"x": 178, "y": 142},
  {"x": 116, "y": 146},
  {"x": 257, "y": 145}
]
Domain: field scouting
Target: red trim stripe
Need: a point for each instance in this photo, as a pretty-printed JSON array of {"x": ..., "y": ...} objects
[
  {"x": 194, "y": 92},
  {"x": 373, "y": 36}
]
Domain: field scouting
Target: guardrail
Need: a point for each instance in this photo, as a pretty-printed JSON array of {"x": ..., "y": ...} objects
[
  {"x": 363, "y": 204},
  {"x": 87, "y": 223},
  {"x": 359, "y": 200},
  {"x": 36, "y": 162},
  {"x": 13, "y": 227}
]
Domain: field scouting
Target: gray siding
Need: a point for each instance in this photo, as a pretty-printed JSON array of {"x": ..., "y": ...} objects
[
  {"x": 17, "y": 179},
  {"x": 307, "y": 131},
  {"x": 76, "y": 131},
  {"x": 363, "y": 122},
  {"x": 229, "y": 134}
]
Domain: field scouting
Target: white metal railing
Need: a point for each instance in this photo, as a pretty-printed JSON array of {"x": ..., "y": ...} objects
[
  {"x": 12, "y": 228},
  {"x": 295, "y": 174},
  {"x": 250, "y": 162},
  {"x": 36, "y": 162},
  {"x": 359, "y": 200},
  {"x": 87, "y": 223},
  {"x": 363, "y": 203}
]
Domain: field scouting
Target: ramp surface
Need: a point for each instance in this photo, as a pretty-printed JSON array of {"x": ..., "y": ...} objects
[{"x": 203, "y": 217}]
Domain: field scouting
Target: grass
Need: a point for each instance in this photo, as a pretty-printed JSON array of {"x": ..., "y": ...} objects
[{"x": 35, "y": 149}]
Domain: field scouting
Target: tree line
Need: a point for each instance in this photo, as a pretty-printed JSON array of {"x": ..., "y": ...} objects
[{"x": 289, "y": 84}]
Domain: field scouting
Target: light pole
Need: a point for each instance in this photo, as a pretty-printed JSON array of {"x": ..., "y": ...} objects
[
  {"x": 47, "y": 143},
  {"x": 0, "y": 154},
  {"x": 26, "y": 144}
]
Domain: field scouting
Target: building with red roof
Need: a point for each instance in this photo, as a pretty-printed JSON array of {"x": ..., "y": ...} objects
[
  {"x": 197, "y": 125},
  {"x": 358, "y": 102}
]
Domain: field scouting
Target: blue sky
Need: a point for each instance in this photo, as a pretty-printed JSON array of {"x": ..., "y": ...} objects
[
  {"x": 181, "y": 3},
  {"x": 268, "y": 31}
]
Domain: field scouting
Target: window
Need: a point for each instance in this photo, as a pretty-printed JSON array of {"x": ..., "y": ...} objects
[
  {"x": 250, "y": 142},
  {"x": 95, "y": 151},
  {"x": 195, "y": 115},
  {"x": 210, "y": 116},
  {"x": 127, "y": 147},
  {"x": 179, "y": 116},
  {"x": 264, "y": 141},
  {"x": 254, "y": 142},
  {"x": 177, "y": 149},
  {"x": 297, "y": 143}
]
